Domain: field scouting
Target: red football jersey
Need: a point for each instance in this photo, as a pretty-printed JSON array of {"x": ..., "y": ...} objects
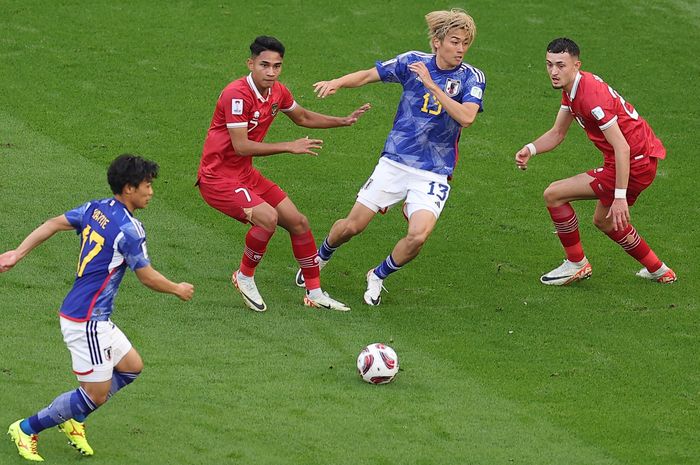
[
  {"x": 596, "y": 106},
  {"x": 240, "y": 105}
]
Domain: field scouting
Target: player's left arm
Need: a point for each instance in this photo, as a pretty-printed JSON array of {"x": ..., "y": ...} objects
[
  {"x": 463, "y": 113},
  {"x": 619, "y": 211},
  {"x": 310, "y": 119},
  {"x": 33, "y": 240}
]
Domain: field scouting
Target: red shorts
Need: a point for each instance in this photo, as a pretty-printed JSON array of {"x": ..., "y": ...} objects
[
  {"x": 642, "y": 174},
  {"x": 232, "y": 196}
]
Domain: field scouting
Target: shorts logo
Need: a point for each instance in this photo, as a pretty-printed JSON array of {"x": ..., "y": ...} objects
[
  {"x": 476, "y": 92},
  {"x": 108, "y": 353},
  {"x": 237, "y": 106},
  {"x": 452, "y": 87},
  {"x": 275, "y": 107},
  {"x": 366, "y": 186}
]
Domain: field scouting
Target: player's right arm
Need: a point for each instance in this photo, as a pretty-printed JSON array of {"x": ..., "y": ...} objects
[
  {"x": 34, "y": 239},
  {"x": 547, "y": 141},
  {"x": 250, "y": 148},
  {"x": 356, "y": 79},
  {"x": 152, "y": 279}
]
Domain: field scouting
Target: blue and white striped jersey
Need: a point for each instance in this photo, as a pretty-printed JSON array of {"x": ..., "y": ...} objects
[
  {"x": 424, "y": 135},
  {"x": 111, "y": 239}
]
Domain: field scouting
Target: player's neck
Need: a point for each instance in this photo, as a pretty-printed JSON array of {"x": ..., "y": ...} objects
[{"x": 129, "y": 205}]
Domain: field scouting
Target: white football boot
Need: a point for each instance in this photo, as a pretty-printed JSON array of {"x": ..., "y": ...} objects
[
  {"x": 321, "y": 299},
  {"x": 299, "y": 278},
  {"x": 374, "y": 289},
  {"x": 663, "y": 275},
  {"x": 567, "y": 273},
  {"x": 246, "y": 286}
]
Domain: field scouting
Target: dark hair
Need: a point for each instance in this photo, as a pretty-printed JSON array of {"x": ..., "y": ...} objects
[
  {"x": 132, "y": 170},
  {"x": 564, "y": 45},
  {"x": 262, "y": 43}
]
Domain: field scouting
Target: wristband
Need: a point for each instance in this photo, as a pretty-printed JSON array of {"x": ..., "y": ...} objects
[
  {"x": 620, "y": 193},
  {"x": 532, "y": 149}
]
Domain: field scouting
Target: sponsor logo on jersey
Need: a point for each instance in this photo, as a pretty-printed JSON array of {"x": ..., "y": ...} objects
[
  {"x": 237, "y": 106},
  {"x": 476, "y": 92},
  {"x": 452, "y": 87},
  {"x": 598, "y": 113}
]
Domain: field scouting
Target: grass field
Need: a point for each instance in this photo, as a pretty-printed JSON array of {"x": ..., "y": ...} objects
[{"x": 496, "y": 368}]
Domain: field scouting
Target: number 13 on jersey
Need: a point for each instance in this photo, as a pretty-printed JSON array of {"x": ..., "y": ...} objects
[{"x": 436, "y": 106}]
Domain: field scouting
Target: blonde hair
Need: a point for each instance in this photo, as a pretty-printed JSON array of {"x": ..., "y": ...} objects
[{"x": 441, "y": 22}]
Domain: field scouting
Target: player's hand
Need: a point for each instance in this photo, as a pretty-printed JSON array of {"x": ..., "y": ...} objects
[
  {"x": 306, "y": 145},
  {"x": 355, "y": 115},
  {"x": 620, "y": 214},
  {"x": 422, "y": 71},
  {"x": 325, "y": 88},
  {"x": 521, "y": 158},
  {"x": 8, "y": 260},
  {"x": 185, "y": 291}
]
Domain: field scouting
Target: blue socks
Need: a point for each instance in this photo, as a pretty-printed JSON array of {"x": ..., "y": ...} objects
[
  {"x": 325, "y": 251},
  {"x": 68, "y": 405},
  {"x": 121, "y": 379},
  {"x": 72, "y": 404},
  {"x": 387, "y": 267}
]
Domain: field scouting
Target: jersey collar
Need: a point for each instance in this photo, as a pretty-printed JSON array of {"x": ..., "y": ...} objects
[
  {"x": 252, "y": 85},
  {"x": 574, "y": 88}
]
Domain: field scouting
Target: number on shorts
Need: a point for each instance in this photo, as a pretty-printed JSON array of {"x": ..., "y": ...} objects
[
  {"x": 245, "y": 192},
  {"x": 96, "y": 241},
  {"x": 442, "y": 190}
]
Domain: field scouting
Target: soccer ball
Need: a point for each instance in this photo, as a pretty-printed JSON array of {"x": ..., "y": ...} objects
[{"x": 378, "y": 364}]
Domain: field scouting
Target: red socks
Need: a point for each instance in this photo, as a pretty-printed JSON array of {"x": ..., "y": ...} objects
[
  {"x": 304, "y": 248},
  {"x": 255, "y": 245},
  {"x": 634, "y": 245},
  {"x": 566, "y": 224}
]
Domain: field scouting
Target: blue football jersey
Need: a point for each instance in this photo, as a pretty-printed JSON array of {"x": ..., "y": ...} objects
[
  {"x": 424, "y": 135},
  {"x": 111, "y": 240}
]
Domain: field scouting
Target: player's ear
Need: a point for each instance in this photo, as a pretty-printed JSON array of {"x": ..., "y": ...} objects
[{"x": 250, "y": 63}]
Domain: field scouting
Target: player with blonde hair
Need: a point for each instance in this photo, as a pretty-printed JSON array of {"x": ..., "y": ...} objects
[{"x": 441, "y": 96}]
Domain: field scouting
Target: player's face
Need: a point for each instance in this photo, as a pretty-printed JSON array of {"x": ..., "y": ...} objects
[
  {"x": 265, "y": 69},
  {"x": 562, "y": 69},
  {"x": 141, "y": 195},
  {"x": 450, "y": 50}
]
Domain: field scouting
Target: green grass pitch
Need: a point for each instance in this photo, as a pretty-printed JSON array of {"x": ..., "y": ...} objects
[{"x": 496, "y": 368}]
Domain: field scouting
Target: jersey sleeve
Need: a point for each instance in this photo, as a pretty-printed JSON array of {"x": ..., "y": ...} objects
[
  {"x": 237, "y": 106},
  {"x": 132, "y": 246},
  {"x": 474, "y": 88},
  {"x": 599, "y": 105},
  {"x": 287, "y": 102},
  {"x": 75, "y": 216},
  {"x": 394, "y": 70}
]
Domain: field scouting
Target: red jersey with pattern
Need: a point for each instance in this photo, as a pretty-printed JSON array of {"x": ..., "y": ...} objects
[
  {"x": 596, "y": 106},
  {"x": 240, "y": 105}
]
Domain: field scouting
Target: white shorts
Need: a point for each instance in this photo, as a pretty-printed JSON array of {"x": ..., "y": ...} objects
[
  {"x": 95, "y": 348},
  {"x": 392, "y": 182}
]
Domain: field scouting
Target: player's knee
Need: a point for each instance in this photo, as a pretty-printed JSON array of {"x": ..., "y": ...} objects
[
  {"x": 98, "y": 396},
  {"x": 602, "y": 223},
  {"x": 551, "y": 195},
  {"x": 353, "y": 228},
  {"x": 417, "y": 240},
  {"x": 266, "y": 219}
]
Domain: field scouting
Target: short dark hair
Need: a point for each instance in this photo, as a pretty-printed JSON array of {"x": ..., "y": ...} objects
[
  {"x": 128, "y": 169},
  {"x": 564, "y": 45},
  {"x": 262, "y": 43}
]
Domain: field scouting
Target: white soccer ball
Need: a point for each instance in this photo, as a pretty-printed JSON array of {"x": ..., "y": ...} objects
[{"x": 378, "y": 363}]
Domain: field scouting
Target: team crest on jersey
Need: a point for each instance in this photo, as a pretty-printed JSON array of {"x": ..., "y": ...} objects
[
  {"x": 452, "y": 87},
  {"x": 275, "y": 107}
]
